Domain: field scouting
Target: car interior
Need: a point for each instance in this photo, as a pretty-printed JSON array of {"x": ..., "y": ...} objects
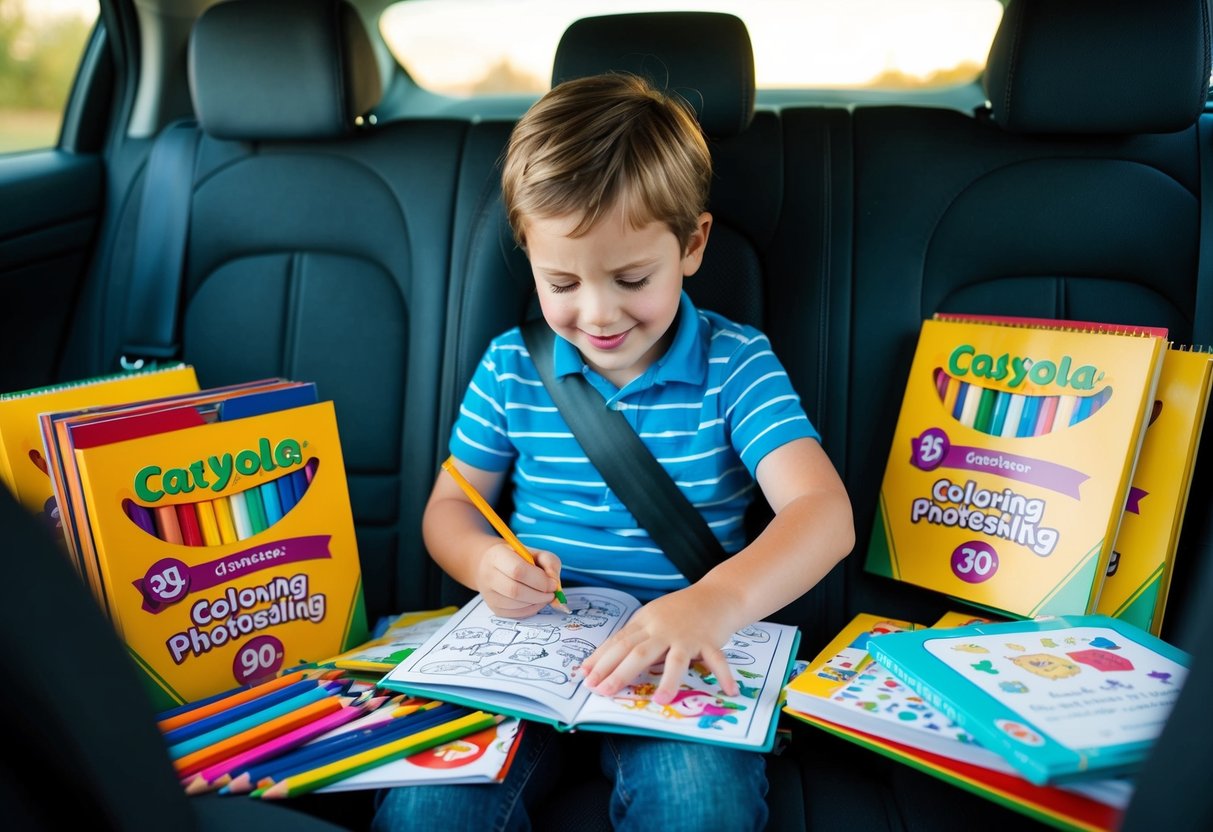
[{"x": 249, "y": 186}]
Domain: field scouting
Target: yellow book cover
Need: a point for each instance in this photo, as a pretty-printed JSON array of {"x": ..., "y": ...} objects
[
  {"x": 1139, "y": 572},
  {"x": 23, "y": 467},
  {"x": 256, "y": 591},
  {"x": 1011, "y": 460}
]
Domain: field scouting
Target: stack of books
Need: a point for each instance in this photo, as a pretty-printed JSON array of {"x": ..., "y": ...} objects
[
  {"x": 1039, "y": 472},
  {"x": 212, "y": 526}
]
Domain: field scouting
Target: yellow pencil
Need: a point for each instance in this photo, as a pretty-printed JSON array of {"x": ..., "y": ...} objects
[
  {"x": 498, "y": 524},
  {"x": 322, "y": 776}
]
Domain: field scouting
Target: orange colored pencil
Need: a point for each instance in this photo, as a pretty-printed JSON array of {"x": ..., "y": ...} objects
[
  {"x": 204, "y": 757},
  {"x": 238, "y": 698},
  {"x": 495, "y": 519}
]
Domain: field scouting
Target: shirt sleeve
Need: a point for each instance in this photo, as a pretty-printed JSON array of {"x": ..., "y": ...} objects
[
  {"x": 480, "y": 436},
  {"x": 761, "y": 408}
]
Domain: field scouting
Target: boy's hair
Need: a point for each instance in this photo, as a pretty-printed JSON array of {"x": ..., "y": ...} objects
[{"x": 591, "y": 141}]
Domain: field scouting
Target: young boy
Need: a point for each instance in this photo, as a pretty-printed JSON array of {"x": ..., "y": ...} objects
[{"x": 605, "y": 183}]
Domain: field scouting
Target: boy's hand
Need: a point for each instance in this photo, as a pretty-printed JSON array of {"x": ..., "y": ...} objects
[
  {"x": 677, "y": 628},
  {"x": 512, "y": 587}
]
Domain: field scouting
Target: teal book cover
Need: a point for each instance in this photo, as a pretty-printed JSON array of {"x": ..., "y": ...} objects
[
  {"x": 528, "y": 668},
  {"x": 1061, "y": 699}
]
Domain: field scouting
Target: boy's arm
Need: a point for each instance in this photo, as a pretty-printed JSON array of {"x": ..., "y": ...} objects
[
  {"x": 811, "y": 532},
  {"x": 467, "y": 548}
]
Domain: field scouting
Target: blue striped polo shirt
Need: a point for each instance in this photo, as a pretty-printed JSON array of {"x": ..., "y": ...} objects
[{"x": 709, "y": 410}]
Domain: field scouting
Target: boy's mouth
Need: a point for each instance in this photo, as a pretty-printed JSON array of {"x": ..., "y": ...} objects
[{"x": 606, "y": 342}]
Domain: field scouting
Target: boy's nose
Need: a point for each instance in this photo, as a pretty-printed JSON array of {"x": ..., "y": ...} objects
[{"x": 598, "y": 310}]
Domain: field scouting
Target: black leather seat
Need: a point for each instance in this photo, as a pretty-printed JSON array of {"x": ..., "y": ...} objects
[{"x": 318, "y": 250}]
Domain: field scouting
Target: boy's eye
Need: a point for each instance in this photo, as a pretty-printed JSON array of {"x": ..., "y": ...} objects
[
  {"x": 634, "y": 284},
  {"x": 562, "y": 287}
]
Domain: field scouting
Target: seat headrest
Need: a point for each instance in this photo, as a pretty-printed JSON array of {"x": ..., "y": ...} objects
[
  {"x": 704, "y": 57},
  {"x": 1099, "y": 66},
  {"x": 281, "y": 69}
]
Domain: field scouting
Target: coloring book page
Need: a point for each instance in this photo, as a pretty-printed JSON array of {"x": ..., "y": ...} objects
[{"x": 531, "y": 658}]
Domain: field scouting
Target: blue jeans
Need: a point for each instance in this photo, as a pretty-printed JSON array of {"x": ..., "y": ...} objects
[{"x": 658, "y": 784}]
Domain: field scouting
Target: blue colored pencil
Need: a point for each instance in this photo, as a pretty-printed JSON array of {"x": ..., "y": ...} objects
[
  {"x": 1027, "y": 421},
  {"x": 210, "y": 723},
  {"x": 959, "y": 405},
  {"x": 341, "y": 746},
  {"x": 232, "y": 728},
  {"x": 286, "y": 493},
  {"x": 269, "y": 499},
  {"x": 1082, "y": 410}
]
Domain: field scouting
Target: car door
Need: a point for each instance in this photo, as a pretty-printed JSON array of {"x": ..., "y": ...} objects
[{"x": 51, "y": 177}]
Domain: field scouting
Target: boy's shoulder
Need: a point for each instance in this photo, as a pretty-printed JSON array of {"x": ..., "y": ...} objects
[{"x": 726, "y": 338}]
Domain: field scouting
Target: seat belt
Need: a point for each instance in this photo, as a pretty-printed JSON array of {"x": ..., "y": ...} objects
[
  {"x": 1202, "y": 317},
  {"x": 150, "y": 326},
  {"x": 627, "y": 466}
]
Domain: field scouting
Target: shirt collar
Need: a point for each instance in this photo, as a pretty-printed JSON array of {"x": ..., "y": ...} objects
[{"x": 685, "y": 360}]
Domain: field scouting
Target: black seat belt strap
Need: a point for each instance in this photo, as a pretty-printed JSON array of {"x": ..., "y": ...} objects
[
  {"x": 626, "y": 465},
  {"x": 150, "y": 325}
]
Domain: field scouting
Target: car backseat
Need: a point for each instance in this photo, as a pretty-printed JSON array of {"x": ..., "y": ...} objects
[{"x": 377, "y": 261}]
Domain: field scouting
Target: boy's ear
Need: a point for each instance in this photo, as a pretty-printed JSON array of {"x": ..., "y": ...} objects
[{"x": 692, "y": 258}]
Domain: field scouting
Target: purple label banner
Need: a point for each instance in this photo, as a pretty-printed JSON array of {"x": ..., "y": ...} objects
[
  {"x": 932, "y": 450},
  {"x": 1133, "y": 502},
  {"x": 169, "y": 580}
]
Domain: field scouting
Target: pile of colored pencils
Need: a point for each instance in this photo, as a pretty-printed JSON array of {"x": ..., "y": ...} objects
[{"x": 303, "y": 731}]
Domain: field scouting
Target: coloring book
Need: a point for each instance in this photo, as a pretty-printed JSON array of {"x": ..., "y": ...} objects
[
  {"x": 527, "y": 668},
  {"x": 844, "y": 691},
  {"x": 1061, "y": 699}
]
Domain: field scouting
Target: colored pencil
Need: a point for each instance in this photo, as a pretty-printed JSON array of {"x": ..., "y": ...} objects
[
  {"x": 985, "y": 410},
  {"x": 949, "y": 396},
  {"x": 1010, "y": 424},
  {"x": 1002, "y": 403},
  {"x": 208, "y": 524},
  {"x": 167, "y": 527},
  {"x": 210, "y": 723},
  {"x": 958, "y": 404},
  {"x": 327, "y": 750},
  {"x": 220, "y": 774},
  {"x": 187, "y": 519},
  {"x": 273, "y": 506},
  {"x": 240, "y": 515},
  {"x": 227, "y": 523},
  {"x": 1082, "y": 410},
  {"x": 222, "y": 732},
  {"x": 968, "y": 416},
  {"x": 256, "y": 509},
  {"x": 1065, "y": 410},
  {"x": 499, "y": 524},
  {"x": 141, "y": 515},
  {"x": 309, "y": 469},
  {"x": 257, "y": 734},
  {"x": 193, "y": 711},
  {"x": 403, "y": 747},
  {"x": 1027, "y": 421},
  {"x": 1044, "y": 421},
  {"x": 286, "y": 493},
  {"x": 299, "y": 483}
]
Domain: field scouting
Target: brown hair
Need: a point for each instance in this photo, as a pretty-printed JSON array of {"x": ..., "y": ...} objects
[{"x": 591, "y": 141}]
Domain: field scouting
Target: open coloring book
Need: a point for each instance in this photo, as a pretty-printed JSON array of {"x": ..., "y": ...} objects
[{"x": 526, "y": 668}]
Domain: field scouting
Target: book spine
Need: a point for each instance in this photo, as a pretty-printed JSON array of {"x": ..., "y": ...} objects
[{"x": 990, "y": 739}]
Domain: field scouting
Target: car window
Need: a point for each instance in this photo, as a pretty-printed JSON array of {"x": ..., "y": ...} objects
[
  {"x": 41, "y": 42},
  {"x": 485, "y": 47}
]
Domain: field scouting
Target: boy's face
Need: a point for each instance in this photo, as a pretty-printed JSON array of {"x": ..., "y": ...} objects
[{"x": 614, "y": 291}]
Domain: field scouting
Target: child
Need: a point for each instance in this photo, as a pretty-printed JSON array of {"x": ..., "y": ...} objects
[{"x": 605, "y": 183}]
